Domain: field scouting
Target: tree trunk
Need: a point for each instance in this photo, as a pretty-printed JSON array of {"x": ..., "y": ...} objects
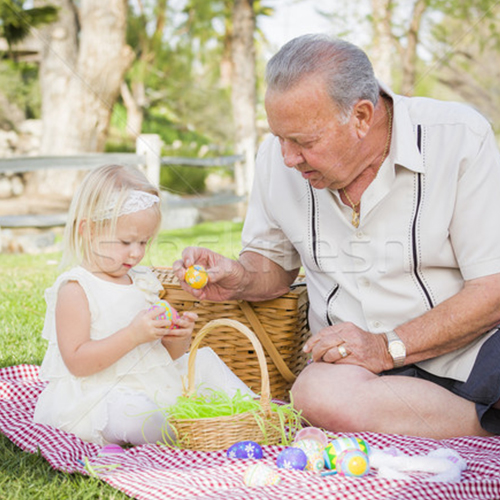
[
  {"x": 134, "y": 102},
  {"x": 409, "y": 61},
  {"x": 57, "y": 69},
  {"x": 243, "y": 94},
  {"x": 134, "y": 97},
  {"x": 82, "y": 68},
  {"x": 382, "y": 47}
]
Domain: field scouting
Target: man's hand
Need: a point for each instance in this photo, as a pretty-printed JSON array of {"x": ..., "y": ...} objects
[
  {"x": 345, "y": 343},
  {"x": 225, "y": 276},
  {"x": 252, "y": 277}
]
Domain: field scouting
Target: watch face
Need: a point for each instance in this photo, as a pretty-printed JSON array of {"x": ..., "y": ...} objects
[{"x": 397, "y": 349}]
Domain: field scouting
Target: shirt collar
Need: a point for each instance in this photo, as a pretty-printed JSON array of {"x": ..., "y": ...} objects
[{"x": 404, "y": 150}]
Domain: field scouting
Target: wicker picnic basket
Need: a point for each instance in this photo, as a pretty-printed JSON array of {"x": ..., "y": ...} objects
[
  {"x": 217, "y": 433},
  {"x": 280, "y": 325}
]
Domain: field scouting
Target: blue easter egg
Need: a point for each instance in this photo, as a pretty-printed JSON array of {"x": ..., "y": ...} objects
[
  {"x": 245, "y": 449},
  {"x": 292, "y": 458},
  {"x": 354, "y": 463}
]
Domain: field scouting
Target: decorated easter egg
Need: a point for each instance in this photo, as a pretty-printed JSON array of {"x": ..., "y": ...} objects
[
  {"x": 308, "y": 445},
  {"x": 363, "y": 445},
  {"x": 196, "y": 276},
  {"x": 260, "y": 474},
  {"x": 110, "y": 449},
  {"x": 314, "y": 452},
  {"x": 169, "y": 313},
  {"x": 354, "y": 463},
  {"x": 337, "y": 446},
  {"x": 292, "y": 458},
  {"x": 312, "y": 433},
  {"x": 245, "y": 449}
]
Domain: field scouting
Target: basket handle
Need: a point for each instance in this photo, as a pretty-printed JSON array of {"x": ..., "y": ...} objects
[
  {"x": 280, "y": 363},
  {"x": 265, "y": 391}
]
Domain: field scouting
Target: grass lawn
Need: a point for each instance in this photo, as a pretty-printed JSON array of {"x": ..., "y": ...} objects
[{"x": 22, "y": 309}]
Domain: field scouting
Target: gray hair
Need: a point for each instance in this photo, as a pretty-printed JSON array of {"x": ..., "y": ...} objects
[{"x": 346, "y": 69}]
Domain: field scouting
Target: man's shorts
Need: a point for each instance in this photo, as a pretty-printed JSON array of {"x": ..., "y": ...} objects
[{"x": 482, "y": 387}]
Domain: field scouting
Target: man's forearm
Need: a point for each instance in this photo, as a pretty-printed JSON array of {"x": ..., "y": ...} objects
[
  {"x": 454, "y": 323},
  {"x": 262, "y": 279}
]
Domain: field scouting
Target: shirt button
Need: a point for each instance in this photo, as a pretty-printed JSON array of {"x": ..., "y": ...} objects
[
  {"x": 376, "y": 324},
  {"x": 364, "y": 282},
  {"x": 360, "y": 235}
]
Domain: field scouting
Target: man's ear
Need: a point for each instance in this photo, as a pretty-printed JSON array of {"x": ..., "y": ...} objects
[{"x": 363, "y": 115}]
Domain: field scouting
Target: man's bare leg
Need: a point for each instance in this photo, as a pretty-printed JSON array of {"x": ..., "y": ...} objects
[{"x": 347, "y": 398}]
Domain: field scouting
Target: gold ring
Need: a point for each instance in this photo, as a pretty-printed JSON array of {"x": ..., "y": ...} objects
[{"x": 342, "y": 351}]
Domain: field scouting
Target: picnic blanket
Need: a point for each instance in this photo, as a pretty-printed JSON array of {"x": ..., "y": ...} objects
[{"x": 157, "y": 472}]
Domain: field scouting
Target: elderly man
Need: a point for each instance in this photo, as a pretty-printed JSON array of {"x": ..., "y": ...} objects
[{"x": 389, "y": 204}]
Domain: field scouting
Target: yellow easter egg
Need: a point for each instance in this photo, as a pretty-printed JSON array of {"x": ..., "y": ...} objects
[{"x": 196, "y": 276}]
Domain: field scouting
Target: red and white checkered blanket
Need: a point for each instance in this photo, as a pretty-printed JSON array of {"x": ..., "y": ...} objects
[{"x": 156, "y": 472}]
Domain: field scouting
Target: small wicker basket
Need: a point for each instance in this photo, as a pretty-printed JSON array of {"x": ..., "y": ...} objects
[
  {"x": 218, "y": 433},
  {"x": 280, "y": 324}
]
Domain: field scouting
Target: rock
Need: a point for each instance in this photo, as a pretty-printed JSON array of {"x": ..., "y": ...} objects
[{"x": 28, "y": 241}]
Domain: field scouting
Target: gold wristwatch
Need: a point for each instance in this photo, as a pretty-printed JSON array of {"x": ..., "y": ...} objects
[{"x": 396, "y": 348}]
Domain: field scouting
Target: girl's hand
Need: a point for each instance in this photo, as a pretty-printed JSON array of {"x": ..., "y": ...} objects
[
  {"x": 146, "y": 328},
  {"x": 178, "y": 340}
]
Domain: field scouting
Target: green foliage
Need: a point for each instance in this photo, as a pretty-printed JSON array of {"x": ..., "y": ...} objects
[
  {"x": 188, "y": 101},
  {"x": 19, "y": 84},
  {"x": 16, "y": 21},
  {"x": 185, "y": 105},
  {"x": 464, "y": 50},
  {"x": 183, "y": 180},
  {"x": 179, "y": 141}
]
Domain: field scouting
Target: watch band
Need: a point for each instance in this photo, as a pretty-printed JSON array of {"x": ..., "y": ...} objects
[{"x": 396, "y": 348}]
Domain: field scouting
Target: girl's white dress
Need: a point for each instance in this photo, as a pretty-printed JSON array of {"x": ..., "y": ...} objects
[{"x": 79, "y": 404}]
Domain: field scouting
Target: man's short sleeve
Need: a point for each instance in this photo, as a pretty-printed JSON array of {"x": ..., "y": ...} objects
[{"x": 261, "y": 233}]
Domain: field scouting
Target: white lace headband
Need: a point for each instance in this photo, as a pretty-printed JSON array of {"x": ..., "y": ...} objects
[{"x": 135, "y": 202}]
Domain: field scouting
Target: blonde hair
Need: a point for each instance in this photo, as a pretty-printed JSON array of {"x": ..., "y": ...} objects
[{"x": 105, "y": 187}]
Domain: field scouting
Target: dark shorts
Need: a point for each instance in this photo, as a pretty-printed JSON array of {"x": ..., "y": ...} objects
[{"x": 482, "y": 387}]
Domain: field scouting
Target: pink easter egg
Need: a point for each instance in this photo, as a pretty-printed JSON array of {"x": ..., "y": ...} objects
[
  {"x": 312, "y": 433},
  {"x": 169, "y": 313}
]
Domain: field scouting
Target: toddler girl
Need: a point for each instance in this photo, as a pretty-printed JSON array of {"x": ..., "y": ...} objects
[{"x": 110, "y": 363}]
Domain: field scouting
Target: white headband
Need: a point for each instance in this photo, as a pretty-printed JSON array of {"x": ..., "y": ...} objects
[{"x": 135, "y": 202}]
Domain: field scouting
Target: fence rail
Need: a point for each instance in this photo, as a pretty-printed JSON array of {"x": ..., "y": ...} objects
[{"x": 90, "y": 161}]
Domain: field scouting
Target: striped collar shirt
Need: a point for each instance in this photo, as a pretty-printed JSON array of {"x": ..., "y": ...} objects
[{"x": 428, "y": 222}]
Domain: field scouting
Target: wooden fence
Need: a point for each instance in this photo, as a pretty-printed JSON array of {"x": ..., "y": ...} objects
[{"x": 147, "y": 156}]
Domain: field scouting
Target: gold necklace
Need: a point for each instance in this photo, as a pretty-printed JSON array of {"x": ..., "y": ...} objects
[{"x": 355, "y": 213}]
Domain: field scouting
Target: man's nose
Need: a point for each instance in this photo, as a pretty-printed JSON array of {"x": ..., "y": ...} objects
[{"x": 291, "y": 153}]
